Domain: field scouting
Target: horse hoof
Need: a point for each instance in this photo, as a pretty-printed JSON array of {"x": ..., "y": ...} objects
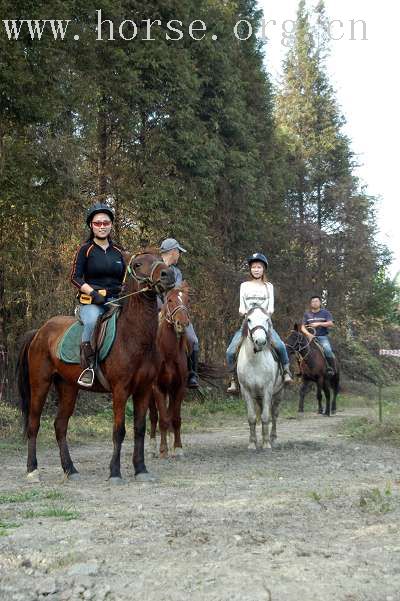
[
  {"x": 266, "y": 448},
  {"x": 33, "y": 477},
  {"x": 178, "y": 452},
  {"x": 145, "y": 477},
  {"x": 252, "y": 446},
  {"x": 74, "y": 476},
  {"x": 116, "y": 481},
  {"x": 300, "y": 414}
]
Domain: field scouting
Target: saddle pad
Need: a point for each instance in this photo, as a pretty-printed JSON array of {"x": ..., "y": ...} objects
[{"x": 68, "y": 349}]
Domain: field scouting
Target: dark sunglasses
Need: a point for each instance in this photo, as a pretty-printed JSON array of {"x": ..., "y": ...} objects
[{"x": 101, "y": 223}]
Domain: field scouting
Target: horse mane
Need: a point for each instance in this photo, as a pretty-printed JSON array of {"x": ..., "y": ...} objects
[{"x": 149, "y": 250}]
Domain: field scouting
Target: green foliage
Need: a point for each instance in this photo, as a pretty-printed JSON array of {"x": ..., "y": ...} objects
[
  {"x": 184, "y": 139},
  {"x": 376, "y": 501}
]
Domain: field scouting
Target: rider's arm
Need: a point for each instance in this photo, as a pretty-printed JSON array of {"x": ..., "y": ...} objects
[
  {"x": 324, "y": 324},
  {"x": 305, "y": 331},
  {"x": 242, "y": 304},
  {"x": 78, "y": 271},
  {"x": 271, "y": 304}
]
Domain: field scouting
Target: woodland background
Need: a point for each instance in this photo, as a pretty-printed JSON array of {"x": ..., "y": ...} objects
[{"x": 191, "y": 140}]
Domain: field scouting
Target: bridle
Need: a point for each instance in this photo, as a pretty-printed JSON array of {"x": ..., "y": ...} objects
[
  {"x": 259, "y": 327},
  {"x": 170, "y": 314},
  {"x": 144, "y": 279},
  {"x": 297, "y": 348},
  {"x": 139, "y": 279}
]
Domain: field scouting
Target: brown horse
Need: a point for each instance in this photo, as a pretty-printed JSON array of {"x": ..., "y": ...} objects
[
  {"x": 170, "y": 386},
  {"x": 130, "y": 369},
  {"x": 313, "y": 368}
]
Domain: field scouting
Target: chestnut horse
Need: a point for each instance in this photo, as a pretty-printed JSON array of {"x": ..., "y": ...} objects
[
  {"x": 130, "y": 369},
  {"x": 170, "y": 385},
  {"x": 313, "y": 368}
]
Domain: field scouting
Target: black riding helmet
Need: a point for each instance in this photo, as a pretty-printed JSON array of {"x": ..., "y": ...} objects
[
  {"x": 257, "y": 257},
  {"x": 99, "y": 207}
]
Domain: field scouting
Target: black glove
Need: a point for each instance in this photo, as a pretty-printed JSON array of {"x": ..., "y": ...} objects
[{"x": 97, "y": 299}]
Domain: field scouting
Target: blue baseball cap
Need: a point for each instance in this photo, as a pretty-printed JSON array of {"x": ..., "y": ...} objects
[{"x": 169, "y": 244}]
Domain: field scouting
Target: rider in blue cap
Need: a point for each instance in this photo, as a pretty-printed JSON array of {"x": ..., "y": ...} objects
[
  {"x": 257, "y": 292},
  {"x": 171, "y": 251}
]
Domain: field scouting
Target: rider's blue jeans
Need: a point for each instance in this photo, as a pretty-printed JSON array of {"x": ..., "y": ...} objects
[
  {"x": 326, "y": 345},
  {"x": 276, "y": 343},
  {"x": 88, "y": 315}
]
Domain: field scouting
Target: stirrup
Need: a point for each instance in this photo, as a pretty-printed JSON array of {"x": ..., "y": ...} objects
[{"x": 86, "y": 378}]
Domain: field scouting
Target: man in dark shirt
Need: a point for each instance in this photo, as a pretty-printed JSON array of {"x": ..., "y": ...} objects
[{"x": 321, "y": 320}]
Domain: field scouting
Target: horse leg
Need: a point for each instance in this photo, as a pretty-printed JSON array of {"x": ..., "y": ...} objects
[
  {"x": 266, "y": 420},
  {"x": 319, "y": 397},
  {"x": 335, "y": 384},
  {"x": 39, "y": 390},
  {"x": 276, "y": 399},
  {"x": 327, "y": 392},
  {"x": 141, "y": 404},
  {"x": 120, "y": 396},
  {"x": 176, "y": 419},
  {"x": 67, "y": 394},
  {"x": 161, "y": 400},
  {"x": 303, "y": 391},
  {"x": 252, "y": 419},
  {"x": 153, "y": 425}
]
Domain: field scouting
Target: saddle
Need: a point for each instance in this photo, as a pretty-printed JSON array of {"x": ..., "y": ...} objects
[
  {"x": 273, "y": 352},
  {"x": 103, "y": 337}
]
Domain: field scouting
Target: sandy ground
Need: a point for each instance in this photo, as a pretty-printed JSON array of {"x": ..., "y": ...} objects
[{"x": 316, "y": 519}]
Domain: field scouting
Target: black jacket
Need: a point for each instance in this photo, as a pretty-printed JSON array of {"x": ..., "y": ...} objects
[{"x": 98, "y": 267}]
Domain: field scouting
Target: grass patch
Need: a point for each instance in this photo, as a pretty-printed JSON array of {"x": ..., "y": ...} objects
[
  {"x": 22, "y": 497},
  {"x": 368, "y": 428},
  {"x": 5, "y": 526},
  {"x": 215, "y": 410},
  {"x": 376, "y": 501},
  {"x": 53, "y": 512},
  {"x": 29, "y": 495}
]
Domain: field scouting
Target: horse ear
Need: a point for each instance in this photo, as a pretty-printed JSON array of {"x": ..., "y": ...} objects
[{"x": 296, "y": 327}]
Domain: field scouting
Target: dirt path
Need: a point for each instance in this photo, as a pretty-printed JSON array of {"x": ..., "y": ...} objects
[{"x": 311, "y": 521}]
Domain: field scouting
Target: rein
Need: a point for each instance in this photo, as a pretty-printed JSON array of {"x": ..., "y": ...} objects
[
  {"x": 115, "y": 302},
  {"x": 299, "y": 350},
  {"x": 139, "y": 279}
]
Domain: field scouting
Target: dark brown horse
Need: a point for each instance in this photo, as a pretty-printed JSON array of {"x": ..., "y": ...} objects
[
  {"x": 130, "y": 369},
  {"x": 170, "y": 385},
  {"x": 313, "y": 368}
]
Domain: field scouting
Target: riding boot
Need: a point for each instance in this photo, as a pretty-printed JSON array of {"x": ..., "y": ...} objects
[
  {"x": 287, "y": 376},
  {"x": 86, "y": 378},
  {"x": 331, "y": 367},
  {"x": 232, "y": 388},
  {"x": 193, "y": 361}
]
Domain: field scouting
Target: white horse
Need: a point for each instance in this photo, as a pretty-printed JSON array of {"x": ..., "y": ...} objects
[{"x": 259, "y": 377}]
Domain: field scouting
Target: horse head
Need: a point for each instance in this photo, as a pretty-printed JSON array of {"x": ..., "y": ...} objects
[
  {"x": 175, "y": 308},
  {"x": 148, "y": 270},
  {"x": 257, "y": 327},
  {"x": 296, "y": 341}
]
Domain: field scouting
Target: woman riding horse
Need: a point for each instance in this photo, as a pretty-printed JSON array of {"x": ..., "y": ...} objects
[
  {"x": 97, "y": 271},
  {"x": 257, "y": 292}
]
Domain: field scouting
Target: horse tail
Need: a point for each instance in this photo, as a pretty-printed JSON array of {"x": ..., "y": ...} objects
[
  {"x": 23, "y": 383},
  {"x": 212, "y": 374}
]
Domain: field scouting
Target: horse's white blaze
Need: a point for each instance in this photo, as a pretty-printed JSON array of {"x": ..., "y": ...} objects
[{"x": 259, "y": 378}]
